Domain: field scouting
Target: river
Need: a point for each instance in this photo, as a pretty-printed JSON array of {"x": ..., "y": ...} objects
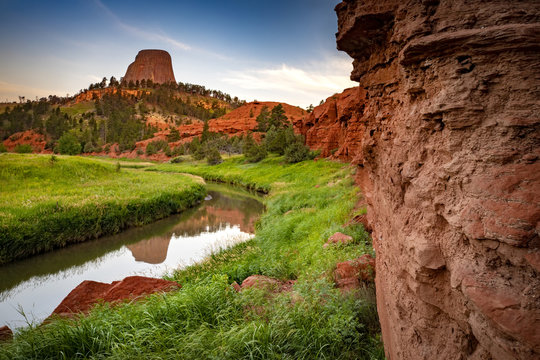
[{"x": 31, "y": 289}]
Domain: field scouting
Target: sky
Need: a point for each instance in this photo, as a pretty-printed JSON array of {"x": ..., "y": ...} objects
[{"x": 266, "y": 50}]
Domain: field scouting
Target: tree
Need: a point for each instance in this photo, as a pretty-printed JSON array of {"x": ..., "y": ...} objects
[
  {"x": 205, "y": 133},
  {"x": 174, "y": 135},
  {"x": 310, "y": 108},
  {"x": 278, "y": 117},
  {"x": 277, "y": 140},
  {"x": 113, "y": 82},
  {"x": 69, "y": 144},
  {"x": 213, "y": 157},
  {"x": 252, "y": 151},
  {"x": 262, "y": 119},
  {"x": 103, "y": 83},
  {"x": 296, "y": 152}
]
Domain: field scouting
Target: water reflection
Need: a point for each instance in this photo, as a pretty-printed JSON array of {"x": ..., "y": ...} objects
[{"x": 41, "y": 282}]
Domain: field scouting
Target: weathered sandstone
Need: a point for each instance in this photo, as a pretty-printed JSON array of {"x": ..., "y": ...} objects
[
  {"x": 155, "y": 65},
  {"x": 88, "y": 293},
  {"x": 446, "y": 137},
  {"x": 349, "y": 274}
]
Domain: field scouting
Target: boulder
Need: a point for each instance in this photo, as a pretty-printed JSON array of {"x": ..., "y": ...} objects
[
  {"x": 88, "y": 293},
  {"x": 5, "y": 333},
  {"x": 338, "y": 238},
  {"x": 350, "y": 274}
]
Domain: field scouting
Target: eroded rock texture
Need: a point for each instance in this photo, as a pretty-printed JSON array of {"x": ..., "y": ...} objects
[
  {"x": 447, "y": 142},
  {"x": 155, "y": 65}
]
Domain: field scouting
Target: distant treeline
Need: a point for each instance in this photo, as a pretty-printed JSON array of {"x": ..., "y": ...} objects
[
  {"x": 114, "y": 118},
  {"x": 193, "y": 89}
]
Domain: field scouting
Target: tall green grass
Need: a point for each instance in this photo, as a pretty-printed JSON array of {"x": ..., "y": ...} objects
[
  {"x": 207, "y": 319},
  {"x": 48, "y": 202}
]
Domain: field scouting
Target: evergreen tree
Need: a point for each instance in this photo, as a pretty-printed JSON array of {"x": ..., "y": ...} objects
[
  {"x": 205, "y": 133},
  {"x": 69, "y": 144},
  {"x": 278, "y": 117},
  {"x": 262, "y": 119}
]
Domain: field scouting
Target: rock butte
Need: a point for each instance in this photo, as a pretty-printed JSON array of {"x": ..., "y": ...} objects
[
  {"x": 155, "y": 65},
  {"x": 445, "y": 130}
]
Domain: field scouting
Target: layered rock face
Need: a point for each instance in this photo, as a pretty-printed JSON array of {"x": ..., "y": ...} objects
[
  {"x": 155, "y": 65},
  {"x": 447, "y": 138},
  {"x": 336, "y": 126}
]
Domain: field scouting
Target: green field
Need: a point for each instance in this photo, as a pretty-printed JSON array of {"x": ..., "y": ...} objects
[
  {"x": 206, "y": 319},
  {"x": 78, "y": 109},
  {"x": 48, "y": 202}
]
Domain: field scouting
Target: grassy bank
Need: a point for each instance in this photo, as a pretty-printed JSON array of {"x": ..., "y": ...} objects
[
  {"x": 47, "y": 202},
  {"x": 207, "y": 319}
]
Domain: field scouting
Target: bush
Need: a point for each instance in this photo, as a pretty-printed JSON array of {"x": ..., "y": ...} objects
[
  {"x": 177, "y": 160},
  {"x": 23, "y": 148},
  {"x": 252, "y": 151},
  {"x": 174, "y": 135},
  {"x": 213, "y": 157},
  {"x": 68, "y": 144},
  {"x": 88, "y": 147},
  {"x": 199, "y": 153},
  {"x": 179, "y": 150},
  {"x": 3, "y": 148},
  {"x": 296, "y": 152},
  {"x": 155, "y": 146}
]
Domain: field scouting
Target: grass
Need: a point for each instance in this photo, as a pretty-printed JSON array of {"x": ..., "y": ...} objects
[
  {"x": 78, "y": 109},
  {"x": 46, "y": 203},
  {"x": 207, "y": 319}
]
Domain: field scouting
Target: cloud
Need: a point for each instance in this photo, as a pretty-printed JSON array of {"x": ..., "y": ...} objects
[
  {"x": 316, "y": 81},
  {"x": 144, "y": 34}
]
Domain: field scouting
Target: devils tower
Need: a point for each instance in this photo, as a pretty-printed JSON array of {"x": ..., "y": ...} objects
[{"x": 155, "y": 65}]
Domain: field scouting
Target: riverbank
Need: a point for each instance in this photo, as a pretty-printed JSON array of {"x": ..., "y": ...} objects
[
  {"x": 307, "y": 203},
  {"x": 48, "y": 202}
]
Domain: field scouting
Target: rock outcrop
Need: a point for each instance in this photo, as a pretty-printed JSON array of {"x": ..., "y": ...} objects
[
  {"x": 155, "y": 65},
  {"x": 88, "y": 293},
  {"x": 29, "y": 137},
  {"x": 447, "y": 140},
  {"x": 335, "y": 127},
  {"x": 349, "y": 274}
]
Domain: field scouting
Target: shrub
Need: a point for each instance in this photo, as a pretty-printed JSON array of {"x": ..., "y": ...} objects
[
  {"x": 69, "y": 144},
  {"x": 177, "y": 160},
  {"x": 174, "y": 135},
  {"x": 296, "y": 152},
  {"x": 3, "y": 148},
  {"x": 199, "y": 153},
  {"x": 155, "y": 146},
  {"x": 168, "y": 151},
  {"x": 179, "y": 150},
  {"x": 252, "y": 151},
  {"x": 23, "y": 148},
  {"x": 213, "y": 157},
  {"x": 88, "y": 147}
]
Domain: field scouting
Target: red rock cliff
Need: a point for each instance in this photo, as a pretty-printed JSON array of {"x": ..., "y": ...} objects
[
  {"x": 155, "y": 65},
  {"x": 445, "y": 129}
]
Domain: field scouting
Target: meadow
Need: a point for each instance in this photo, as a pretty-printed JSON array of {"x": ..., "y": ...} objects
[
  {"x": 306, "y": 203},
  {"x": 49, "y": 201}
]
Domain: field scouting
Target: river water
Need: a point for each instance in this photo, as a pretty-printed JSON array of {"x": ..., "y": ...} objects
[{"x": 31, "y": 289}]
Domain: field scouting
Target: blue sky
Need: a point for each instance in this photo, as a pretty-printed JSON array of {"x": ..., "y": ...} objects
[{"x": 254, "y": 49}]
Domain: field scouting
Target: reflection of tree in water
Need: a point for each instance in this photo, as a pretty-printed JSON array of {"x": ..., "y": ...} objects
[
  {"x": 148, "y": 243},
  {"x": 210, "y": 216}
]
